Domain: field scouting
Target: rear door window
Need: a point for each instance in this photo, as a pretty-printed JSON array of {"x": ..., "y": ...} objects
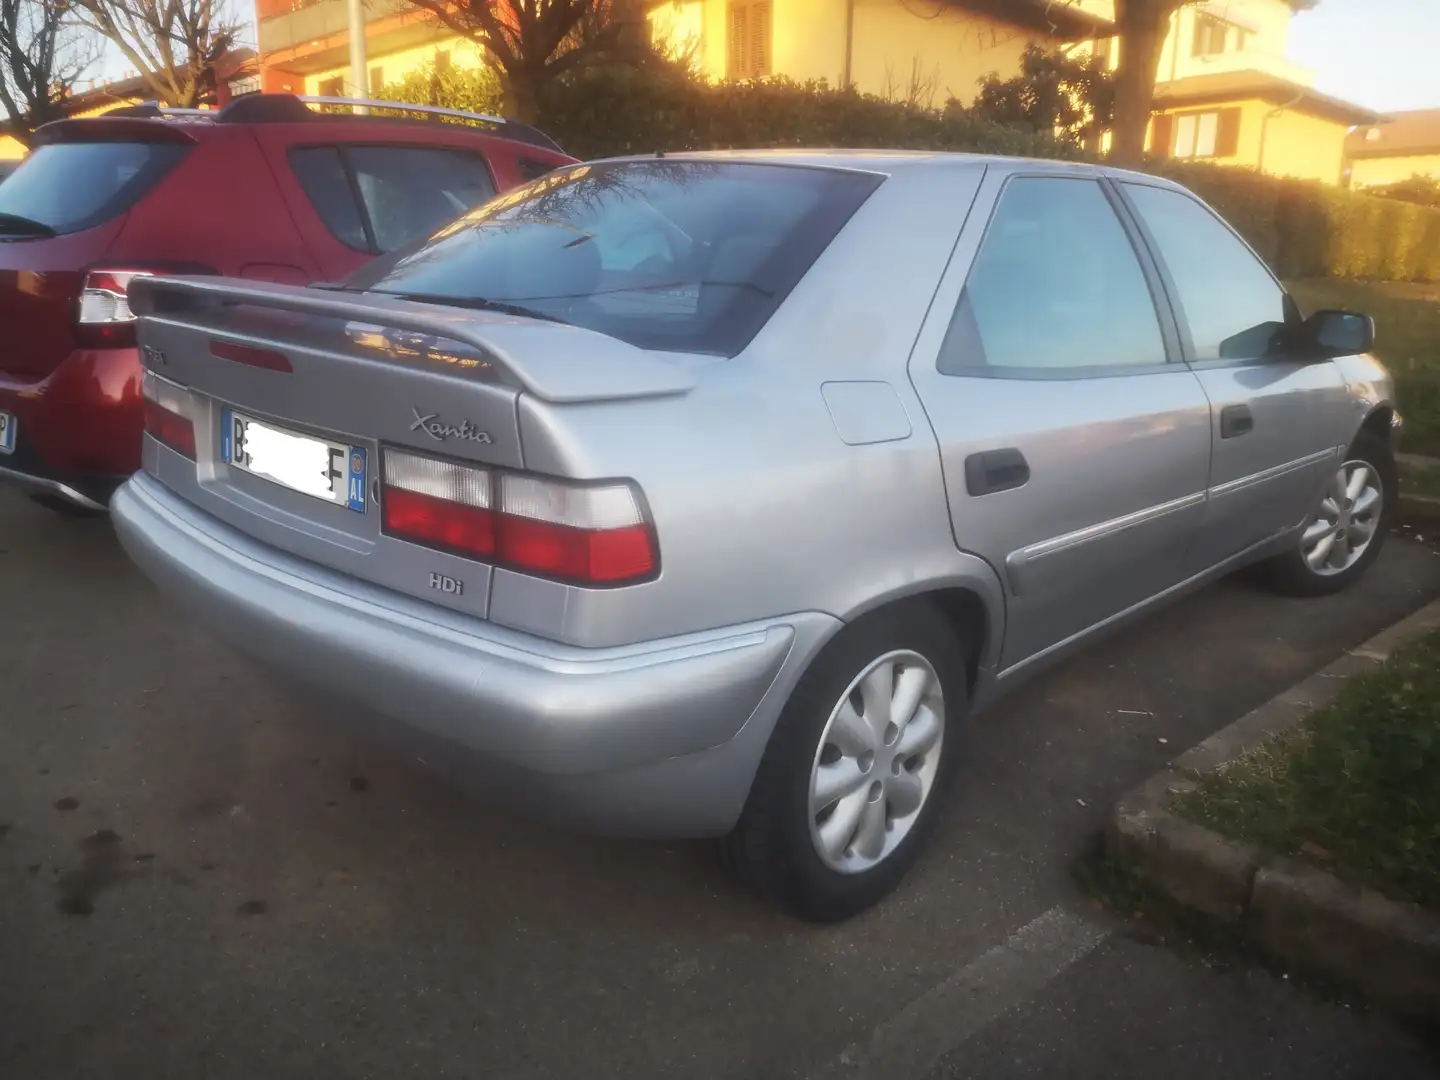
[
  {"x": 379, "y": 198},
  {"x": 71, "y": 186}
]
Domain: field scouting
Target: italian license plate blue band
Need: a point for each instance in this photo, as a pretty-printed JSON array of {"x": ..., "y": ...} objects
[
  {"x": 227, "y": 436},
  {"x": 356, "y": 493}
]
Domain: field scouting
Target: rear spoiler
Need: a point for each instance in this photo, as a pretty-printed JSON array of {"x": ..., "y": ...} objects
[
  {"x": 107, "y": 128},
  {"x": 554, "y": 362}
]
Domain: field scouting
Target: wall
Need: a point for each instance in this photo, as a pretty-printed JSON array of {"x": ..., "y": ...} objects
[
  {"x": 896, "y": 44},
  {"x": 947, "y": 49},
  {"x": 1367, "y": 172},
  {"x": 396, "y": 65},
  {"x": 1297, "y": 144}
]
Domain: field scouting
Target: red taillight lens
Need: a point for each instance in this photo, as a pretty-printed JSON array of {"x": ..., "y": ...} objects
[
  {"x": 166, "y": 417},
  {"x": 172, "y": 429},
  {"x": 586, "y": 534},
  {"x": 594, "y": 534},
  {"x": 104, "y": 318}
]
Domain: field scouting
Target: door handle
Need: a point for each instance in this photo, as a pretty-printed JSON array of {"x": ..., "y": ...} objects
[
  {"x": 1236, "y": 420},
  {"x": 996, "y": 470}
]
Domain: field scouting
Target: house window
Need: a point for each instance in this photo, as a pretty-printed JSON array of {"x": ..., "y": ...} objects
[
  {"x": 377, "y": 80},
  {"x": 748, "y": 41},
  {"x": 333, "y": 87},
  {"x": 442, "y": 60},
  {"x": 1209, "y": 39},
  {"x": 1212, "y": 134}
]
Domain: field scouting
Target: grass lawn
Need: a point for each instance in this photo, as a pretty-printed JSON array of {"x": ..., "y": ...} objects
[
  {"x": 1356, "y": 790},
  {"x": 1407, "y": 339}
]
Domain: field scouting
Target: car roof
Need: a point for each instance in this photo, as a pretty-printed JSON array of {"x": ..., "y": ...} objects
[{"x": 891, "y": 161}]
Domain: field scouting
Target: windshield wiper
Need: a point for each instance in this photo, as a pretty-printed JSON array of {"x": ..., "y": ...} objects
[
  {"x": 475, "y": 303},
  {"x": 23, "y": 226}
]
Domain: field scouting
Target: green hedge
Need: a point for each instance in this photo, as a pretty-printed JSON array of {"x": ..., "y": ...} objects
[{"x": 1304, "y": 229}]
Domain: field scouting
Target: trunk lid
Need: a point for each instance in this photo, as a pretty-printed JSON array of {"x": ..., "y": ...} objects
[{"x": 363, "y": 373}]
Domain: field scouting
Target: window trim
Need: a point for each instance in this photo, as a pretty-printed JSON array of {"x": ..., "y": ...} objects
[
  {"x": 1187, "y": 340},
  {"x": 353, "y": 181},
  {"x": 1149, "y": 269}
]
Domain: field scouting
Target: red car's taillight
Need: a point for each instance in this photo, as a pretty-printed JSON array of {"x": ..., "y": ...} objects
[
  {"x": 166, "y": 415},
  {"x": 104, "y": 319},
  {"x": 584, "y": 533}
]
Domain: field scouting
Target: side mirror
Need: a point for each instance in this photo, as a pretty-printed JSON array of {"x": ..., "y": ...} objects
[{"x": 1339, "y": 333}]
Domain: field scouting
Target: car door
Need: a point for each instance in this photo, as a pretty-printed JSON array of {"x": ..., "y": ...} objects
[
  {"x": 1075, "y": 445},
  {"x": 353, "y": 201},
  {"x": 1279, "y": 421}
]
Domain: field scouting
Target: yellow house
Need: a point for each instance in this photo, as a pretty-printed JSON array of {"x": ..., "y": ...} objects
[
  {"x": 1226, "y": 91},
  {"x": 1405, "y": 144}
]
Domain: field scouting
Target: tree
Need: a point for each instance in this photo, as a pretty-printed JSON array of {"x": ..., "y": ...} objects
[
  {"x": 171, "y": 44},
  {"x": 42, "y": 56},
  {"x": 1141, "y": 26},
  {"x": 1053, "y": 94},
  {"x": 533, "y": 41}
]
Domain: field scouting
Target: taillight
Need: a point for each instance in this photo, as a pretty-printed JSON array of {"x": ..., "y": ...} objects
[
  {"x": 104, "y": 318},
  {"x": 585, "y": 533},
  {"x": 167, "y": 416}
]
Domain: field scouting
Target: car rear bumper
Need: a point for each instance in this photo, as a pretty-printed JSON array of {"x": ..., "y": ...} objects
[
  {"x": 660, "y": 738},
  {"x": 78, "y": 431}
]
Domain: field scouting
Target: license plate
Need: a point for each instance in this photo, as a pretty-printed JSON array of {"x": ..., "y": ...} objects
[
  {"x": 326, "y": 470},
  {"x": 7, "y": 433}
]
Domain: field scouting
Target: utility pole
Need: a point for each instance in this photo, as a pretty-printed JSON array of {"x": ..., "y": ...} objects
[{"x": 359, "y": 69}]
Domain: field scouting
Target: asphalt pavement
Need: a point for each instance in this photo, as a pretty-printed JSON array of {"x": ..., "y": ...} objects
[{"x": 205, "y": 874}]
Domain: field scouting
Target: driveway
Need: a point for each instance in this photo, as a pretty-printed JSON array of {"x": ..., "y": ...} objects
[{"x": 202, "y": 874}]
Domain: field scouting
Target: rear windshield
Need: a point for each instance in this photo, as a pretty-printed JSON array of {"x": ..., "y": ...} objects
[
  {"x": 72, "y": 186},
  {"x": 683, "y": 255}
]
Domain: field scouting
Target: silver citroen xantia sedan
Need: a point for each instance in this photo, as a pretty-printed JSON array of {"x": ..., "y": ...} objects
[{"x": 712, "y": 495}]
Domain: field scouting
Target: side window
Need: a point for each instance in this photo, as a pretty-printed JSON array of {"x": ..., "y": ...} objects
[
  {"x": 1234, "y": 307},
  {"x": 322, "y": 175},
  {"x": 534, "y": 168},
  {"x": 1055, "y": 284},
  {"x": 379, "y": 198},
  {"x": 411, "y": 191}
]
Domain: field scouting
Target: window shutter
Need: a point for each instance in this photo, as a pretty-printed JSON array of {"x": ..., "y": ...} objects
[
  {"x": 760, "y": 39},
  {"x": 1162, "y": 134},
  {"x": 1227, "y": 142},
  {"x": 735, "y": 54}
]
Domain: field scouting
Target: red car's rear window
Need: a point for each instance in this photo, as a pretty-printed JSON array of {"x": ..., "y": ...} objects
[{"x": 70, "y": 186}]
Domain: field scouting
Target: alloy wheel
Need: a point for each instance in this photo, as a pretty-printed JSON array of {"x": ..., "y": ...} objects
[
  {"x": 877, "y": 762},
  {"x": 1344, "y": 524}
]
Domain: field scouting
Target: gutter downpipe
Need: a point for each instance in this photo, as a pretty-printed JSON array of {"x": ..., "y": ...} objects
[{"x": 847, "y": 80}]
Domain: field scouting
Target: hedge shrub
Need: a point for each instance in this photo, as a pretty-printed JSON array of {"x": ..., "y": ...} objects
[{"x": 1304, "y": 229}]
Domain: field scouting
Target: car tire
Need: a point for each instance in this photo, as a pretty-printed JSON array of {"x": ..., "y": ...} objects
[
  {"x": 64, "y": 507},
  {"x": 776, "y": 847},
  {"x": 1294, "y": 573}
]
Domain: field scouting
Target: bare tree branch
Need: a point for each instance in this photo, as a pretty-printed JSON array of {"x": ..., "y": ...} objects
[
  {"x": 533, "y": 41},
  {"x": 171, "y": 44},
  {"x": 42, "y": 56}
]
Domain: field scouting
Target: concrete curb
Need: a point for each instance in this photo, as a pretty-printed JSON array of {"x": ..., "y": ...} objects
[
  {"x": 1419, "y": 507},
  {"x": 1289, "y": 909}
]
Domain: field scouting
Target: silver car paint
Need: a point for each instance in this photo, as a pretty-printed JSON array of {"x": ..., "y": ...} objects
[{"x": 820, "y": 471}]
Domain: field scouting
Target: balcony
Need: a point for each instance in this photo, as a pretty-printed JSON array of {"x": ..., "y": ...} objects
[{"x": 312, "y": 35}]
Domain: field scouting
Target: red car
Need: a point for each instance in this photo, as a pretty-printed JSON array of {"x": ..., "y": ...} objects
[{"x": 265, "y": 189}]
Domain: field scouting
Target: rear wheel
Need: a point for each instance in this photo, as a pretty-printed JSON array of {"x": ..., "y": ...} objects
[
  {"x": 1346, "y": 530},
  {"x": 855, "y": 770}
]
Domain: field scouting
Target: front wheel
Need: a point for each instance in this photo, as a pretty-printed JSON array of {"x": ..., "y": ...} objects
[
  {"x": 852, "y": 777},
  {"x": 1346, "y": 530}
]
